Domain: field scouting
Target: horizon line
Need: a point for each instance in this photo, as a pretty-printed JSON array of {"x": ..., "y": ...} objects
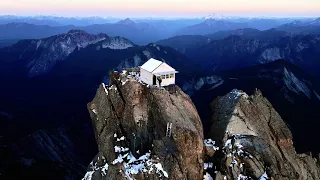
[{"x": 162, "y": 16}]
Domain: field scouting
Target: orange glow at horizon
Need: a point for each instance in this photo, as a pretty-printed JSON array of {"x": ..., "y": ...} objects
[{"x": 163, "y": 7}]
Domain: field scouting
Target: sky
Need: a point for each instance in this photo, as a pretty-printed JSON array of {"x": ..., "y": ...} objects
[{"x": 292, "y": 8}]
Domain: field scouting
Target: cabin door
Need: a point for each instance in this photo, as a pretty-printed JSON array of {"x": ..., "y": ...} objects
[{"x": 154, "y": 79}]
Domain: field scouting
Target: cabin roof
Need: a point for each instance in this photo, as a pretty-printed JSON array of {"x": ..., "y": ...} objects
[
  {"x": 157, "y": 67},
  {"x": 151, "y": 65}
]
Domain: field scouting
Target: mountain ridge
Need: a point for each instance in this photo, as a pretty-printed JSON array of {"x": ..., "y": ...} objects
[{"x": 210, "y": 26}]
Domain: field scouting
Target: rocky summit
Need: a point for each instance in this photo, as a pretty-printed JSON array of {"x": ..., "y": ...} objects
[
  {"x": 254, "y": 142},
  {"x": 147, "y": 132}
]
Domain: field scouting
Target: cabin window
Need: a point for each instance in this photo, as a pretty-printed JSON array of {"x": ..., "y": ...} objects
[{"x": 167, "y": 76}]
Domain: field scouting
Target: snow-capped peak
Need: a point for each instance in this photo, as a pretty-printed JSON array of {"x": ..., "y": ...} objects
[
  {"x": 216, "y": 17},
  {"x": 296, "y": 22}
]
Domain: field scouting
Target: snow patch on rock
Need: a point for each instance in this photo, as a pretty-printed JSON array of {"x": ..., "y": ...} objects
[
  {"x": 217, "y": 85},
  {"x": 207, "y": 80},
  {"x": 193, "y": 85},
  {"x": 94, "y": 168},
  {"x": 144, "y": 164},
  {"x": 236, "y": 94},
  {"x": 211, "y": 143},
  {"x": 88, "y": 175},
  {"x": 295, "y": 85},
  {"x": 105, "y": 88},
  {"x": 147, "y": 54},
  {"x": 317, "y": 95},
  {"x": 207, "y": 176},
  {"x": 94, "y": 111},
  {"x": 38, "y": 44},
  {"x": 270, "y": 54},
  {"x": 235, "y": 153},
  {"x": 117, "y": 43},
  {"x": 301, "y": 46},
  {"x": 104, "y": 169},
  {"x": 264, "y": 176},
  {"x": 243, "y": 177},
  {"x": 207, "y": 165},
  {"x": 198, "y": 85},
  {"x": 136, "y": 61}
]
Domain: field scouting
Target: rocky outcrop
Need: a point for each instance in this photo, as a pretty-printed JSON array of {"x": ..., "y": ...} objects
[
  {"x": 145, "y": 132},
  {"x": 254, "y": 141}
]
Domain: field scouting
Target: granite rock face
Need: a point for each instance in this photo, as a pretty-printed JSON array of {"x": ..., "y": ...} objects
[
  {"x": 254, "y": 141},
  {"x": 145, "y": 132}
]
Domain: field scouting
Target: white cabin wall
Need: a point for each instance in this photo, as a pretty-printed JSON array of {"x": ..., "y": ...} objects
[
  {"x": 167, "y": 82},
  {"x": 163, "y": 68},
  {"x": 146, "y": 76}
]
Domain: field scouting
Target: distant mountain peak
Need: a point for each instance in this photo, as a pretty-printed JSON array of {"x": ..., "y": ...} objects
[
  {"x": 57, "y": 48},
  {"x": 126, "y": 21},
  {"x": 214, "y": 22},
  {"x": 315, "y": 22},
  {"x": 296, "y": 23},
  {"x": 215, "y": 17}
]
